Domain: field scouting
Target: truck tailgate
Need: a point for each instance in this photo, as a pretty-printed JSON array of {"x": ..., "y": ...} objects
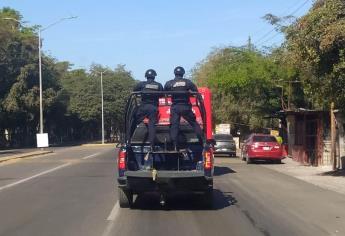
[{"x": 165, "y": 174}]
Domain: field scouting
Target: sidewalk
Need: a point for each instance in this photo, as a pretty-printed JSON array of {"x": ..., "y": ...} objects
[
  {"x": 321, "y": 176},
  {"x": 6, "y": 155},
  {"x": 11, "y": 154}
]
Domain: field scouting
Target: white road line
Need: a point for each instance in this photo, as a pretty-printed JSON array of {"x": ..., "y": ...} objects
[
  {"x": 112, "y": 219},
  {"x": 91, "y": 156},
  {"x": 114, "y": 212},
  {"x": 34, "y": 176},
  {"x": 44, "y": 172}
]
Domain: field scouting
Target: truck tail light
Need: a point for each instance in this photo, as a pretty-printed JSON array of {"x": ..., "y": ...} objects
[
  {"x": 208, "y": 160},
  {"x": 121, "y": 160}
]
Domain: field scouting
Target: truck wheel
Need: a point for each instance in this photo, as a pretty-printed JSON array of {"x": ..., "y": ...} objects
[
  {"x": 248, "y": 160},
  {"x": 125, "y": 198},
  {"x": 208, "y": 199}
]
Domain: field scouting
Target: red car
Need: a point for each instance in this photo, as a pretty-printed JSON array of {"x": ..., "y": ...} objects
[{"x": 262, "y": 147}]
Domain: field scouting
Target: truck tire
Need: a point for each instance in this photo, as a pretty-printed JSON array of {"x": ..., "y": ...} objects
[
  {"x": 125, "y": 198},
  {"x": 208, "y": 199}
]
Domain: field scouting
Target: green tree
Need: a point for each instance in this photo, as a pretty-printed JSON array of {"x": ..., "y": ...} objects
[
  {"x": 316, "y": 43},
  {"x": 84, "y": 93},
  {"x": 71, "y": 98},
  {"x": 242, "y": 82}
]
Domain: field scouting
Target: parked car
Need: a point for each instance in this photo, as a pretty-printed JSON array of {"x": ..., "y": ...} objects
[
  {"x": 262, "y": 147},
  {"x": 224, "y": 144}
]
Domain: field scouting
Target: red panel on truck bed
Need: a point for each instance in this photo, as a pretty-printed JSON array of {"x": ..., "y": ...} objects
[{"x": 164, "y": 111}]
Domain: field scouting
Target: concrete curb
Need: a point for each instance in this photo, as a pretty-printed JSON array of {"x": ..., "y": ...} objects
[
  {"x": 24, "y": 155},
  {"x": 98, "y": 145}
]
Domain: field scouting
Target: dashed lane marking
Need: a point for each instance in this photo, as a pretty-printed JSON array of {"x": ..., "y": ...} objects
[
  {"x": 91, "y": 156},
  {"x": 34, "y": 176},
  {"x": 45, "y": 172}
]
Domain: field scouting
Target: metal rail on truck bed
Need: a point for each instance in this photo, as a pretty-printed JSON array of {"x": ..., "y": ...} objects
[{"x": 132, "y": 104}]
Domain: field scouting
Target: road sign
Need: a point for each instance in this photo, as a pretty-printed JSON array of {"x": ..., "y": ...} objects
[
  {"x": 275, "y": 132},
  {"x": 42, "y": 140},
  {"x": 223, "y": 129}
]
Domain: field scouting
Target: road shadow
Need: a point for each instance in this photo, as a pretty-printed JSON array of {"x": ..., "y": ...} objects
[
  {"x": 224, "y": 156},
  {"x": 11, "y": 152},
  {"x": 268, "y": 162},
  {"x": 335, "y": 173},
  {"x": 222, "y": 170},
  {"x": 184, "y": 202}
]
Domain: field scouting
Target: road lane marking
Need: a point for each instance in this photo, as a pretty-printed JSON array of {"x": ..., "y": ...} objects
[
  {"x": 114, "y": 212},
  {"x": 91, "y": 156},
  {"x": 46, "y": 172},
  {"x": 112, "y": 219},
  {"x": 34, "y": 176}
]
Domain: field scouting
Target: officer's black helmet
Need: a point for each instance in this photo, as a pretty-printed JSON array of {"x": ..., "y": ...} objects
[
  {"x": 150, "y": 74},
  {"x": 179, "y": 71}
]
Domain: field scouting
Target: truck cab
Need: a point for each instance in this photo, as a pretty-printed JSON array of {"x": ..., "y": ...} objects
[{"x": 165, "y": 170}]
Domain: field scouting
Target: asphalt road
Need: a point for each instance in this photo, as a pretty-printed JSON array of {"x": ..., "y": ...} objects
[{"x": 72, "y": 192}]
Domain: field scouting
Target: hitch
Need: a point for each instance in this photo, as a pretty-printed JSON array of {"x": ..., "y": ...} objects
[
  {"x": 154, "y": 174},
  {"x": 162, "y": 199}
]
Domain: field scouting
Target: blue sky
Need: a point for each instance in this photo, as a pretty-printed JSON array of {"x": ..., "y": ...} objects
[{"x": 158, "y": 34}]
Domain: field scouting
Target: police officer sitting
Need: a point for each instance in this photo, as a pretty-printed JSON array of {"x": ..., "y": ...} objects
[
  {"x": 181, "y": 105},
  {"x": 149, "y": 104}
]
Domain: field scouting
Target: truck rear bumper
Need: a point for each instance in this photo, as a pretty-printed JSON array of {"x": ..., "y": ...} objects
[{"x": 143, "y": 181}]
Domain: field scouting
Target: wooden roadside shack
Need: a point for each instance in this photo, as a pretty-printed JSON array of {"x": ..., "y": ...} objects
[{"x": 308, "y": 136}]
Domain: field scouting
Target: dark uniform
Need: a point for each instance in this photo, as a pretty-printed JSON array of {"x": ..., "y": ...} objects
[
  {"x": 149, "y": 104},
  {"x": 181, "y": 105}
]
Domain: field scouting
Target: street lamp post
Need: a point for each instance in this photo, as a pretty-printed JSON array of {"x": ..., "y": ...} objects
[
  {"x": 40, "y": 30},
  {"x": 102, "y": 72},
  {"x": 40, "y": 80},
  {"x": 102, "y": 108}
]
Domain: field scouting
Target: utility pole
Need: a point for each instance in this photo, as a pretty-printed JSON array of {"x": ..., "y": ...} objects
[
  {"x": 289, "y": 95},
  {"x": 250, "y": 46},
  {"x": 333, "y": 138},
  {"x": 283, "y": 105},
  {"x": 290, "y": 82}
]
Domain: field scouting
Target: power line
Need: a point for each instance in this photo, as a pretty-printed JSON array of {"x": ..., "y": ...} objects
[
  {"x": 294, "y": 12},
  {"x": 263, "y": 37},
  {"x": 272, "y": 30},
  {"x": 286, "y": 11},
  {"x": 269, "y": 39}
]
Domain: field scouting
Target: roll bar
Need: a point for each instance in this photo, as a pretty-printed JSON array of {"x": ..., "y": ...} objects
[{"x": 132, "y": 104}]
